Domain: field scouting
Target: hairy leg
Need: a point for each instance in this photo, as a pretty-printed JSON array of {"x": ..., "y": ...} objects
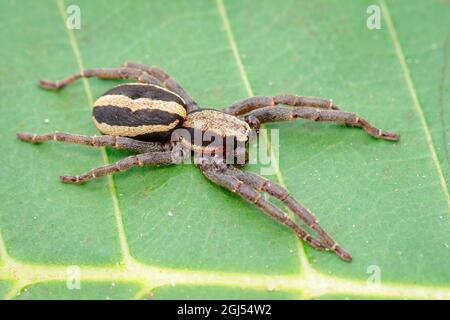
[
  {"x": 140, "y": 160},
  {"x": 103, "y": 73},
  {"x": 94, "y": 141},
  {"x": 166, "y": 80},
  {"x": 251, "y": 195},
  {"x": 244, "y": 106},
  {"x": 269, "y": 114},
  {"x": 280, "y": 193}
]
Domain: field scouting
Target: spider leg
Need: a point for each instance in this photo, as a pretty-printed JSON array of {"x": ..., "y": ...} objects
[
  {"x": 166, "y": 80},
  {"x": 102, "y": 73},
  {"x": 95, "y": 141},
  {"x": 244, "y": 106},
  {"x": 144, "y": 159},
  {"x": 280, "y": 193},
  {"x": 251, "y": 195},
  {"x": 130, "y": 70},
  {"x": 269, "y": 114}
]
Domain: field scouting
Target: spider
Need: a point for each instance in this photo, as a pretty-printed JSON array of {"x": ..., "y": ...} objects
[{"x": 146, "y": 115}]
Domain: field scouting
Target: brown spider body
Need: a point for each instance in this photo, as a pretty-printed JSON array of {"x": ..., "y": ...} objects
[
  {"x": 148, "y": 112},
  {"x": 156, "y": 116},
  {"x": 214, "y": 132}
]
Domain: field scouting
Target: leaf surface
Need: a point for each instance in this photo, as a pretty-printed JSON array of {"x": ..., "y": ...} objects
[{"x": 169, "y": 233}]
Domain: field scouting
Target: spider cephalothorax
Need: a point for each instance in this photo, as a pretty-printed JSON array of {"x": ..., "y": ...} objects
[
  {"x": 215, "y": 133},
  {"x": 157, "y": 118}
]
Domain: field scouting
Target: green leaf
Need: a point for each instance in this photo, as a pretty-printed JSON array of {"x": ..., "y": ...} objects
[{"x": 168, "y": 232}]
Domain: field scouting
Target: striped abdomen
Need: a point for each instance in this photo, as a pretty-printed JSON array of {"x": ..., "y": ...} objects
[{"x": 140, "y": 111}]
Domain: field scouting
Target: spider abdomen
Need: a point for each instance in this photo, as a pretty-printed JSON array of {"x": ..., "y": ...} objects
[{"x": 140, "y": 111}]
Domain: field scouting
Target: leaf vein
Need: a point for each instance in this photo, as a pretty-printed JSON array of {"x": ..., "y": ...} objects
[
  {"x": 417, "y": 104},
  {"x": 124, "y": 247}
]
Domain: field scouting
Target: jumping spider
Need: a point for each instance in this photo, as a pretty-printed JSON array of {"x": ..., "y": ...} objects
[{"x": 143, "y": 116}]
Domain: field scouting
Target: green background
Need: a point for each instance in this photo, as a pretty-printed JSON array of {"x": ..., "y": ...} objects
[{"x": 164, "y": 233}]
